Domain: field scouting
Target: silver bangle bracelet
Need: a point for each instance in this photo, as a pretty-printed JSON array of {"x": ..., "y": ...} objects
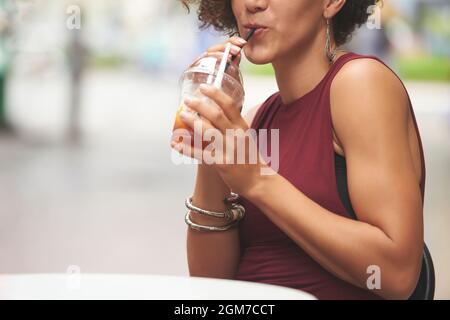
[
  {"x": 200, "y": 227},
  {"x": 222, "y": 215},
  {"x": 235, "y": 211}
]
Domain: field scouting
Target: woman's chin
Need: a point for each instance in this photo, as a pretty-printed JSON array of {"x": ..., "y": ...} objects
[{"x": 258, "y": 58}]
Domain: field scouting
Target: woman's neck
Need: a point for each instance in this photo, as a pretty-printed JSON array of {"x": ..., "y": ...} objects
[{"x": 299, "y": 73}]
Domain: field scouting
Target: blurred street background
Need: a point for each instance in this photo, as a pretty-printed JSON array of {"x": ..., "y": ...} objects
[{"x": 86, "y": 176}]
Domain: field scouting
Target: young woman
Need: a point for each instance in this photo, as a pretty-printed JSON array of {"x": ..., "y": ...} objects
[{"x": 335, "y": 111}]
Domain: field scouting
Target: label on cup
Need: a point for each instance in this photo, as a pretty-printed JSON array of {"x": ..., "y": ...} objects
[{"x": 206, "y": 65}]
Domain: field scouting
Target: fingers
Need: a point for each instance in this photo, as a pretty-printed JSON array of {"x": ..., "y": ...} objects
[
  {"x": 200, "y": 125},
  {"x": 217, "y": 50},
  {"x": 187, "y": 150},
  {"x": 240, "y": 42},
  {"x": 224, "y": 101},
  {"x": 236, "y": 45},
  {"x": 202, "y": 152},
  {"x": 209, "y": 110},
  {"x": 234, "y": 49}
]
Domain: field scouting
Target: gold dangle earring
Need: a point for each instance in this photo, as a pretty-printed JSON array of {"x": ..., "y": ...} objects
[{"x": 330, "y": 54}]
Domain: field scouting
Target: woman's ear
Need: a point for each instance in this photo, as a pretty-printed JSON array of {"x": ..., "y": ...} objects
[{"x": 332, "y": 7}]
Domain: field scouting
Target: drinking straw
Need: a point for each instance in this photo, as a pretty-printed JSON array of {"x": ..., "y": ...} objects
[
  {"x": 247, "y": 38},
  {"x": 250, "y": 34},
  {"x": 222, "y": 66}
]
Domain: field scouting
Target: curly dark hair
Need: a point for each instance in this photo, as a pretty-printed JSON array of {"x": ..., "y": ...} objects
[{"x": 219, "y": 14}]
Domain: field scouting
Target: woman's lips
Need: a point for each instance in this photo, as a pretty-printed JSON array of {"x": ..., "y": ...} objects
[{"x": 258, "y": 33}]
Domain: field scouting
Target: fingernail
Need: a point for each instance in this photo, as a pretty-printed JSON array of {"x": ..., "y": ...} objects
[
  {"x": 187, "y": 100},
  {"x": 241, "y": 41},
  {"x": 235, "y": 49},
  {"x": 204, "y": 86},
  {"x": 184, "y": 115}
]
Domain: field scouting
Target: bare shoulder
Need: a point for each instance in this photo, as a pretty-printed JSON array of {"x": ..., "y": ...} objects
[
  {"x": 366, "y": 77},
  {"x": 366, "y": 95},
  {"x": 250, "y": 115}
]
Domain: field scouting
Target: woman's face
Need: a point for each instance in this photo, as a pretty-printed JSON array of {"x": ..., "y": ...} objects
[{"x": 287, "y": 25}]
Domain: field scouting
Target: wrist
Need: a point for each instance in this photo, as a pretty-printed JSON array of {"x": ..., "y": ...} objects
[
  {"x": 210, "y": 190},
  {"x": 261, "y": 187}
]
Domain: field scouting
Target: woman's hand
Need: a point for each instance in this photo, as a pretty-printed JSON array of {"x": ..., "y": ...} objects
[
  {"x": 217, "y": 50},
  {"x": 232, "y": 147}
]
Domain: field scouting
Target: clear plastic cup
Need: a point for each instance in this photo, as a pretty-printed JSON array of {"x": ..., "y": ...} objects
[{"x": 205, "y": 70}]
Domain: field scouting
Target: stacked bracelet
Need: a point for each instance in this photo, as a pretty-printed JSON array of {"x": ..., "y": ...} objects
[
  {"x": 222, "y": 215},
  {"x": 234, "y": 213},
  {"x": 200, "y": 227}
]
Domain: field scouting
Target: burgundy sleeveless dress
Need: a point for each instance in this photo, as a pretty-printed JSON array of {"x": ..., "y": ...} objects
[{"x": 307, "y": 160}]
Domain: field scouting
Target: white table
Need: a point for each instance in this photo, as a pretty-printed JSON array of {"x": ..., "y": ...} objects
[{"x": 151, "y": 287}]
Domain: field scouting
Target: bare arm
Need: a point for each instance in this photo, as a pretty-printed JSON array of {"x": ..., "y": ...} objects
[
  {"x": 370, "y": 117},
  {"x": 213, "y": 254}
]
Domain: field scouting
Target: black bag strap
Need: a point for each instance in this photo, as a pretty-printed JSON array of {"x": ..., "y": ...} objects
[{"x": 426, "y": 284}]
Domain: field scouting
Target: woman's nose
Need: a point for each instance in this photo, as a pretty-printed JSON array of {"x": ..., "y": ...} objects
[{"x": 256, "y": 5}]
